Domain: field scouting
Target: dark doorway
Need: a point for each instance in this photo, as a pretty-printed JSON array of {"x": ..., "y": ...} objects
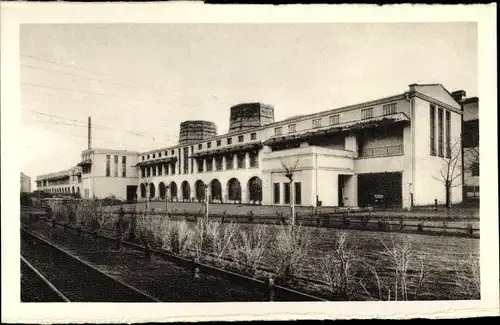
[
  {"x": 341, "y": 189},
  {"x": 131, "y": 191},
  {"x": 380, "y": 190}
]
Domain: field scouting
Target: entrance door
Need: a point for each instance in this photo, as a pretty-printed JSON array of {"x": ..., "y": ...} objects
[
  {"x": 341, "y": 185},
  {"x": 380, "y": 189},
  {"x": 131, "y": 191}
]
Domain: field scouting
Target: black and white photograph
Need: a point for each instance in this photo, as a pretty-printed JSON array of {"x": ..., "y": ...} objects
[{"x": 199, "y": 162}]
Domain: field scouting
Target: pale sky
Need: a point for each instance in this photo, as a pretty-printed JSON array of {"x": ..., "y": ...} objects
[{"x": 141, "y": 80}]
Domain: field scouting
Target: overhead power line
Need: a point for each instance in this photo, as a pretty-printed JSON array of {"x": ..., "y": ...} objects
[
  {"x": 128, "y": 83},
  {"x": 84, "y": 124}
]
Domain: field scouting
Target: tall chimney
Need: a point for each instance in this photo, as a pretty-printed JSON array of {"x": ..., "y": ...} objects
[{"x": 89, "y": 136}]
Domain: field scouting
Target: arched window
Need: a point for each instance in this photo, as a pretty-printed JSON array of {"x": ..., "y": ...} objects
[
  {"x": 173, "y": 190},
  {"x": 152, "y": 190},
  {"x": 161, "y": 188},
  {"x": 234, "y": 190},
  {"x": 200, "y": 190},
  {"x": 143, "y": 191},
  {"x": 255, "y": 189},
  {"x": 186, "y": 191},
  {"x": 216, "y": 190}
]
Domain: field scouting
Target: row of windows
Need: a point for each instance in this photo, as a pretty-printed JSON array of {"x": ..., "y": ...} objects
[
  {"x": 218, "y": 166},
  {"x": 287, "y": 194},
  {"x": 441, "y": 114},
  {"x": 160, "y": 170},
  {"x": 335, "y": 119},
  {"x": 218, "y": 143},
  {"x": 115, "y": 162}
]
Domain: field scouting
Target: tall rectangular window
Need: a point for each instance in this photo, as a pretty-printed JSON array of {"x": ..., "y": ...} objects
[
  {"x": 448, "y": 136},
  {"x": 254, "y": 159},
  {"x": 209, "y": 145},
  {"x": 143, "y": 172},
  {"x": 124, "y": 166},
  {"x": 199, "y": 163},
  {"x": 432, "y": 119},
  {"x": 108, "y": 167},
  {"x": 200, "y": 146},
  {"x": 185, "y": 160},
  {"x": 475, "y": 169},
  {"x": 317, "y": 123},
  {"x": 229, "y": 140},
  {"x": 241, "y": 160},
  {"x": 253, "y": 136},
  {"x": 148, "y": 172},
  {"x": 160, "y": 170},
  {"x": 191, "y": 161},
  {"x": 292, "y": 128},
  {"x": 287, "y": 193},
  {"x": 277, "y": 131},
  {"x": 367, "y": 113},
  {"x": 173, "y": 169},
  {"x": 440, "y": 133},
  {"x": 240, "y": 138},
  {"x": 389, "y": 109},
  {"x": 219, "y": 142},
  {"x": 334, "y": 119},
  {"x": 115, "y": 165},
  {"x": 229, "y": 162},
  {"x": 276, "y": 193},
  {"x": 210, "y": 163},
  {"x": 218, "y": 163},
  {"x": 154, "y": 170},
  {"x": 298, "y": 193}
]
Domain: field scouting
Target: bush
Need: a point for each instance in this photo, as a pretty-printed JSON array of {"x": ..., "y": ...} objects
[
  {"x": 337, "y": 266},
  {"x": 289, "y": 251},
  {"x": 249, "y": 248}
]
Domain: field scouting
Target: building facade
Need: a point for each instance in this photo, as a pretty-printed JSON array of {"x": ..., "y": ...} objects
[
  {"x": 25, "y": 183},
  {"x": 389, "y": 152},
  {"x": 470, "y": 142}
]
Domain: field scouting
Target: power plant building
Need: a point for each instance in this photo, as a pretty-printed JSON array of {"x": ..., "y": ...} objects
[{"x": 389, "y": 152}]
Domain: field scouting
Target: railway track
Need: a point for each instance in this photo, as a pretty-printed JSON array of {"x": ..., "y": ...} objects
[
  {"x": 275, "y": 293},
  {"x": 52, "y": 274}
]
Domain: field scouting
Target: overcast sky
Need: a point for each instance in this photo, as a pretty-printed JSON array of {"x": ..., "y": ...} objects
[{"x": 139, "y": 81}]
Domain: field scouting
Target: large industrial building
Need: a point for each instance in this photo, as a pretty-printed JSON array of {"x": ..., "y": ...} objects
[{"x": 390, "y": 151}]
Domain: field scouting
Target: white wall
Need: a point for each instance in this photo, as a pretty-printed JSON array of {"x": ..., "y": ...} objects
[{"x": 427, "y": 167}]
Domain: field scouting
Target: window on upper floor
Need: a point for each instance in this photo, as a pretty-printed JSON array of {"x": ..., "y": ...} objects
[
  {"x": 200, "y": 146},
  {"x": 219, "y": 142},
  {"x": 166, "y": 153},
  {"x": 292, "y": 128},
  {"x": 253, "y": 136},
  {"x": 154, "y": 156},
  {"x": 229, "y": 161},
  {"x": 367, "y": 113},
  {"x": 317, "y": 123},
  {"x": 148, "y": 156},
  {"x": 334, "y": 119},
  {"x": 210, "y": 163},
  {"x": 475, "y": 169},
  {"x": 389, "y": 109},
  {"x": 159, "y": 154},
  {"x": 218, "y": 163},
  {"x": 229, "y": 140},
  {"x": 277, "y": 131},
  {"x": 240, "y": 138},
  {"x": 254, "y": 159},
  {"x": 241, "y": 160},
  {"x": 209, "y": 145},
  {"x": 172, "y": 151},
  {"x": 108, "y": 165},
  {"x": 142, "y": 157}
]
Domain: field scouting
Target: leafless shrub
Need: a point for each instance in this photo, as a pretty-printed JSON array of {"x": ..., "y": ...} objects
[
  {"x": 249, "y": 248},
  {"x": 337, "y": 266},
  {"x": 148, "y": 230},
  {"x": 220, "y": 237},
  {"x": 399, "y": 286},
  {"x": 289, "y": 251},
  {"x": 180, "y": 236},
  {"x": 467, "y": 277}
]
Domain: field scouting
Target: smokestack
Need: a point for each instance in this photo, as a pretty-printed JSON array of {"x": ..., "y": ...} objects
[{"x": 89, "y": 136}]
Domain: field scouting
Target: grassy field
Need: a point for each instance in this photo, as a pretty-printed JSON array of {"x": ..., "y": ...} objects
[{"x": 258, "y": 210}]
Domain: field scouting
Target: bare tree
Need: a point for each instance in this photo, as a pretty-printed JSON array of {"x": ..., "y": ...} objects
[
  {"x": 451, "y": 169},
  {"x": 290, "y": 171}
]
